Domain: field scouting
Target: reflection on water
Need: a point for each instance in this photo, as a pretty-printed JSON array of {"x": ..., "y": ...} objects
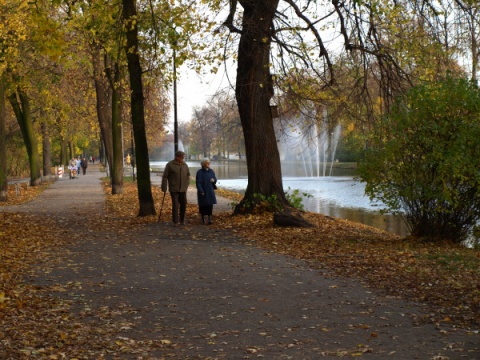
[
  {"x": 390, "y": 223},
  {"x": 340, "y": 196}
]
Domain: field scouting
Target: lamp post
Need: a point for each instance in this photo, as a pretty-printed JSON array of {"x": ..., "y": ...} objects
[{"x": 175, "y": 114}]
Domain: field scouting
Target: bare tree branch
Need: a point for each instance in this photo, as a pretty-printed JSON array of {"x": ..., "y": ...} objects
[{"x": 229, "y": 21}]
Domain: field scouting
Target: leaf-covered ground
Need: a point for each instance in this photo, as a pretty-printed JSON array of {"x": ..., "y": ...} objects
[
  {"x": 37, "y": 325},
  {"x": 446, "y": 276}
]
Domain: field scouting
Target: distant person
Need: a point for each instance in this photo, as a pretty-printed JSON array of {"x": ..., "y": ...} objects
[
  {"x": 128, "y": 160},
  {"x": 72, "y": 166},
  {"x": 205, "y": 181},
  {"x": 84, "y": 165},
  {"x": 177, "y": 176},
  {"x": 79, "y": 165}
]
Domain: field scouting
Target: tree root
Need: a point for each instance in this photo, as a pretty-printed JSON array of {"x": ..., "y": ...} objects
[{"x": 291, "y": 217}]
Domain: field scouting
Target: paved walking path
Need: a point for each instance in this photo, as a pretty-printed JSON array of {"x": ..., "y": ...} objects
[{"x": 203, "y": 293}]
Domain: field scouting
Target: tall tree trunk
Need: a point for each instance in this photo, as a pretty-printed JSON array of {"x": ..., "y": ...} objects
[
  {"x": 63, "y": 151},
  {"x": 117, "y": 165},
  {"x": 71, "y": 150},
  {"x": 104, "y": 107},
  {"x": 3, "y": 145},
  {"x": 24, "y": 118},
  {"x": 145, "y": 197},
  {"x": 46, "y": 150},
  {"x": 475, "y": 34},
  {"x": 254, "y": 89},
  {"x": 101, "y": 152},
  {"x": 63, "y": 158}
]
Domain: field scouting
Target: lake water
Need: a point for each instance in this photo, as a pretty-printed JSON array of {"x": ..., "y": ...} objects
[{"x": 340, "y": 195}]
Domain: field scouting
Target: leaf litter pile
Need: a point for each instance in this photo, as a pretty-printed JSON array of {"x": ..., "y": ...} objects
[{"x": 36, "y": 324}]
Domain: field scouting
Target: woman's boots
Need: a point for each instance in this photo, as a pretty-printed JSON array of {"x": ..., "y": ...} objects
[{"x": 206, "y": 219}]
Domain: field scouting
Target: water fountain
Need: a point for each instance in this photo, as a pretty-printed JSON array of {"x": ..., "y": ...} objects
[
  {"x": 167, "y": 151},
  {"x": 309, "y": 140}
]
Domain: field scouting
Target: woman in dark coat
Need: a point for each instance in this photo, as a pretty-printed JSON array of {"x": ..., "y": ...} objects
[{"x": 206, "y": 181}]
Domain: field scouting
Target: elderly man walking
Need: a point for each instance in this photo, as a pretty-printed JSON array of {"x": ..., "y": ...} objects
[{"x": 177, "y": 176}]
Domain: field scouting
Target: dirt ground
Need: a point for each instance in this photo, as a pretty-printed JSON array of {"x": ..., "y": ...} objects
[{"x": 194, "y": 292}]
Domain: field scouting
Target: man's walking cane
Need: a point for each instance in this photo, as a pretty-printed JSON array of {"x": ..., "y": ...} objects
[{"x": 161, "y": 207}]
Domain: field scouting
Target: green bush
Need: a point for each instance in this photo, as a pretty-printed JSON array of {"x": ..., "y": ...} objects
[
  {"x": 261, "y": 203},
  {"x": 424, "y": 162},
  {"x": 295, "y": 198}
]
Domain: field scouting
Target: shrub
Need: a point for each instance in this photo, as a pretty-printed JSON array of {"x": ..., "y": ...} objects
[
  {"x": 261, "y": 203},
  {"x": 425, "y": 159},
  {"x": 295, "y": 198}
]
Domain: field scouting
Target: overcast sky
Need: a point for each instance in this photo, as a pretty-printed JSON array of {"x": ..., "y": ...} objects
[{"x": 194, "y": 90}]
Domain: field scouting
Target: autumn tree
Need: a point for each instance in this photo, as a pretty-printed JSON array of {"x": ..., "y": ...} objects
[
  {"x": 203, "y": 124},
  {"x": 299, "y": 35},
  {"x": 254, "y": 89},
  {"x": 145, "y": 196},
  {"x": 171, "y": 31},
  {"x": 215, "y": 128},
  {"x": 97, "y": 28},
  {"x": 21, "y": 107},
  {"x": 471, "y": 14},
  {"x": 157, "y": 108},
  {"x": 70, "y": 120},
  {"x": 12, "y": 34},
  {"x": 34, "y": 79},
  {"x": 227, "y": 124},
  {"x": 103, "y": 99}
]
